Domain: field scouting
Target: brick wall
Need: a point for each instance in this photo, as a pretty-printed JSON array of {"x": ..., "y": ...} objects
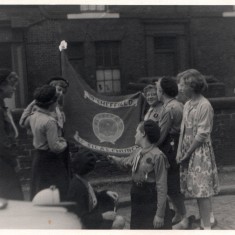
[
  {"x": 223, "y": 134},
  {"x": 208, "y": 51},
  {"x": 43, "y": 56},
  {"x": 210, "y": 39}
]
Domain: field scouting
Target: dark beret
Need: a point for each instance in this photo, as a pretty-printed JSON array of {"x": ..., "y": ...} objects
[{"x": 45, "y": 95}]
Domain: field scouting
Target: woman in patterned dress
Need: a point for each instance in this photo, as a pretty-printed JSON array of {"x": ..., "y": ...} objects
[{"x": 198, "y": 172}]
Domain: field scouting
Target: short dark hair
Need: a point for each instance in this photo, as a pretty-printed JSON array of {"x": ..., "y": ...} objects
[
  {"x": 45, "y": 96},
  {"x": 151, "y": 129},
  {"x": 169, "y": 86},
  {"x": 83, "y": 161},
  {"x": 58, "y": 79}
]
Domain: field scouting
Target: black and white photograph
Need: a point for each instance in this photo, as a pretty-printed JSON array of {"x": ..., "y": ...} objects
[{"x": 117, "y": 117}]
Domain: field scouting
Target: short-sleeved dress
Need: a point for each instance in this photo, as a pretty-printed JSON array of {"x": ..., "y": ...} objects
[{"x": 198, "y": 177}]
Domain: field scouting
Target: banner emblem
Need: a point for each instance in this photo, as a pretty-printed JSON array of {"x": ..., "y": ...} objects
[{"x": 107, "y": 127}]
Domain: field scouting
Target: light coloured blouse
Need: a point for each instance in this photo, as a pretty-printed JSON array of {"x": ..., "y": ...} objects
[
  {"x": 202, "y": 122},
  {"x": 47, "y": 135}
]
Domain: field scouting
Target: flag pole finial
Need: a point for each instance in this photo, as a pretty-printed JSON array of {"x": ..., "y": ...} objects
[{"x": 63, "y": 45}]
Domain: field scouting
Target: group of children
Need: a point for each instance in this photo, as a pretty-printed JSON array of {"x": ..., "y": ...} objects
[{"x": 174, "y": 160}]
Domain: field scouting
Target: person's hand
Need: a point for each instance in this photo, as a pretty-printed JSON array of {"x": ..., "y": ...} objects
[
  {"x": 32, "y": 103},
  {"x": 158, "y": 222},
  {"x": 113, "y": 195},
  {"x": 178, "y": 159},
  {"x": 76, "y": 136},
  {"x": 111, "y": 159},
  {"x": 109, "y": 215},
  {"x": 185, "y": 158}
]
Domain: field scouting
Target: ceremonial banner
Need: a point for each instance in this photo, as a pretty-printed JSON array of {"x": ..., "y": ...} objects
[{"x": 105, "y": 124}]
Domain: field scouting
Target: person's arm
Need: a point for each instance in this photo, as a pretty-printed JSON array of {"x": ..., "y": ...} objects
[
  {"x": 122, "y": 162},
  {"x": 6, "y": 148},
  {"x": 26, "y": 113},
  {"x": 165, "y": 125},
  {"x": 161, "y": 185},
  {"x": 179, "y": 148},
  {"x": 203, "y": 130},
  {"x": 56, "y": 144}
]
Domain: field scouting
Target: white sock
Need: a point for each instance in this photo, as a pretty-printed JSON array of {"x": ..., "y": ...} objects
[{"x": 212, "y": 218}]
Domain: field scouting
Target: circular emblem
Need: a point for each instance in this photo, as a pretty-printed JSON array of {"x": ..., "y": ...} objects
[
  {"x": 107, "y": 127},
  {"x": 149, "y": 160}
]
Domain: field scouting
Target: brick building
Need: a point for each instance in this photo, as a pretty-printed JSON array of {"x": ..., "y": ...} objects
[{"x": 114, "y": 45}]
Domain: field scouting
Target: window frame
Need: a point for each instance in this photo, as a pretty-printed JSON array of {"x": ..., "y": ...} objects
[{"x": 111, "y": 46}]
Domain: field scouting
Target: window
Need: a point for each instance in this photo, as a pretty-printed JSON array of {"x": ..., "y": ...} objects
[
  {"x": 165, "y": 55},
  {"x": 108, "y": 67},
  {"x": 76, "y": 56},
  {"x": 92, "y": 8}
]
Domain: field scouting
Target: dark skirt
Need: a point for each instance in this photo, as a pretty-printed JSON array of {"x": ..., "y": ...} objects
[
  {"x": 10, "y": 187},
  {"x": 144, "y": 207},
  {"x": 50, "y": 169},
  {"x": 173, "y": 178}
]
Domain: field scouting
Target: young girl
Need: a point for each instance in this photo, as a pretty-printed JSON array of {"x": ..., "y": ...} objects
[
  {"x": 61, "y": 86},
  {"x": 149, "y": 206},
  {"x": 49, "y": 164},
  {"x": 198, "y": 172}
]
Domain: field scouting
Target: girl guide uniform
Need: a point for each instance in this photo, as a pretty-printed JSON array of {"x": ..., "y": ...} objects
[
  {"x": 149, "y": 187},
  {"x": 51, "y": 154}
]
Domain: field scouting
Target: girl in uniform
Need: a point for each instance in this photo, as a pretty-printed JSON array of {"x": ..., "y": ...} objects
[{"x": 149, "y": 206}]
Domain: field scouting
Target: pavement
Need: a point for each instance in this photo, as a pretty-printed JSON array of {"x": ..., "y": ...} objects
[{"x": 223, "y": 204}]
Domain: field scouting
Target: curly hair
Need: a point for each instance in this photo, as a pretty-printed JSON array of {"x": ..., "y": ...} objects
[{"x": 194, "y": 79}]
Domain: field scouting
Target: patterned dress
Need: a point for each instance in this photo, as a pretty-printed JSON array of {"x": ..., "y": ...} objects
[{"x": 198, "y": 176}]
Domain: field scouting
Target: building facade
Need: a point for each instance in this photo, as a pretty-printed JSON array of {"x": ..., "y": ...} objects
[{"x": 111, "y": 46}]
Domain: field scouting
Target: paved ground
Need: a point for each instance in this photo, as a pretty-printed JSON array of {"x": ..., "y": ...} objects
[
  {"x": 223, "y": 206},
  {"x": 224, "y": 210}
]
